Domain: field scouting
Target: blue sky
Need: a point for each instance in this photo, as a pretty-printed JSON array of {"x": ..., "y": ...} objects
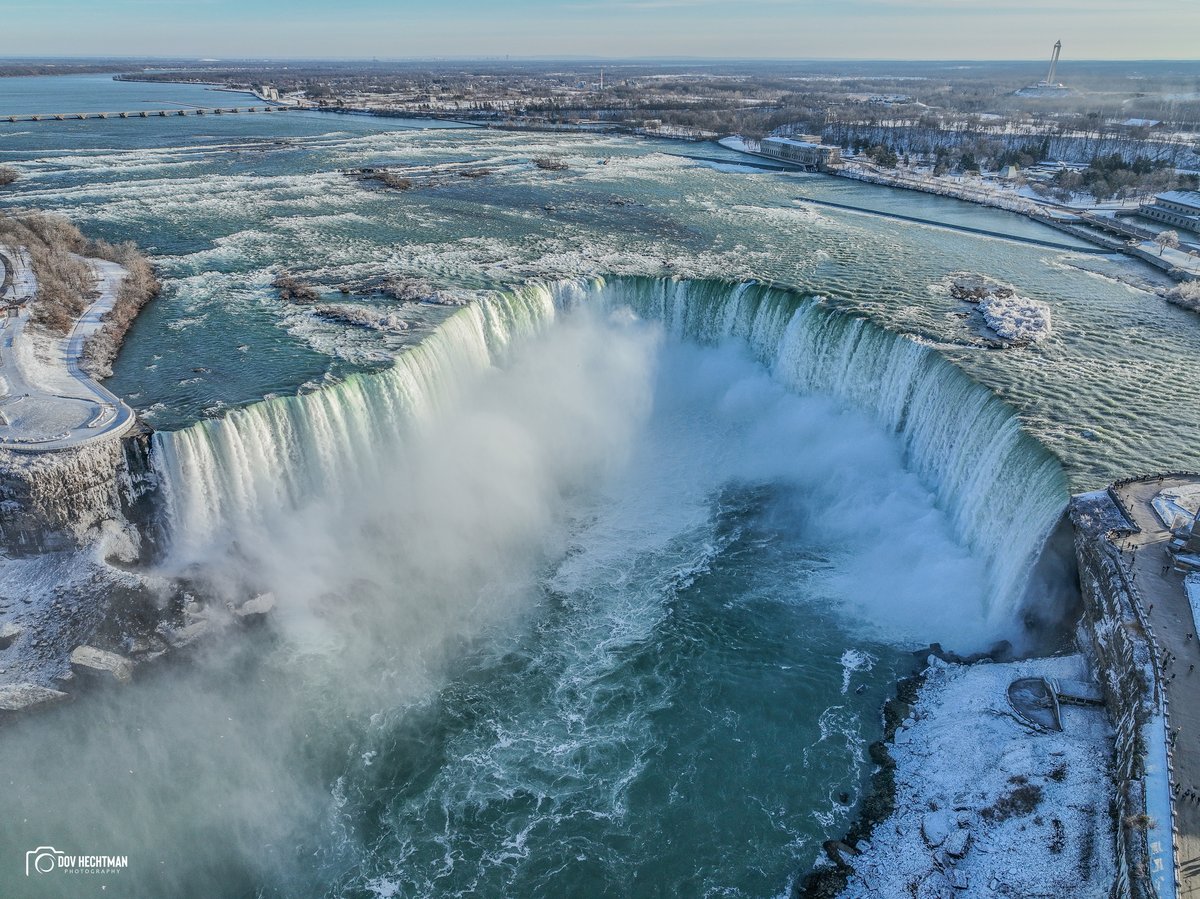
[{"x": 890, "y": 29}]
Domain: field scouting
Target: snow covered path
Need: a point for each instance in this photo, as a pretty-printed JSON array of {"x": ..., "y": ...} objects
[{"x": 47, "y": 402}]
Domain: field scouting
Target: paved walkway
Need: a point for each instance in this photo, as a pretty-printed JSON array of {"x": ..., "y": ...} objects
[
  {"x": 47, "y": 402},
  {"x": 1170, "y": 616}
]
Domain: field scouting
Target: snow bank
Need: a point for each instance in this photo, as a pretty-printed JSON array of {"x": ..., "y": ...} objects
[
  {"x": 1191, "y": 584},
  {"x": 986, "y": 804}
]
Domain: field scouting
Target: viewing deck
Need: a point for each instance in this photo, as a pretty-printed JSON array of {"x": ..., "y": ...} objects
[{"x": 1159, "y": 587}]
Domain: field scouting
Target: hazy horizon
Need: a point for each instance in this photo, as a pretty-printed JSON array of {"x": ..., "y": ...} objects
[{"x": 886, "y": 30}]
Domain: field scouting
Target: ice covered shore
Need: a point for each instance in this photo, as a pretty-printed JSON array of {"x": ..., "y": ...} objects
[{"x": 988, "y": 805}]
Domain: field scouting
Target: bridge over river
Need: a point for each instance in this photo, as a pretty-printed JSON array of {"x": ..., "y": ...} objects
[{"x": 141, "y": 113}]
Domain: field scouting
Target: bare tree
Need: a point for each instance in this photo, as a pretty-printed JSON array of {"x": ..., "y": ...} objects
[{"x": 1167, "y": 240}]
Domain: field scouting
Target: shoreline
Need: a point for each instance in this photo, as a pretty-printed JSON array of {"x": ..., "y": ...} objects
[
  {"x": 1072, "y": 223},
  {"x": 975, "y": 782},
  {"x": 827, "y": 881}
]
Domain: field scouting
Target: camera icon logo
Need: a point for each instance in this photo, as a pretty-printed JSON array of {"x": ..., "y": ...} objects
[{"x": 42, "y": 860}]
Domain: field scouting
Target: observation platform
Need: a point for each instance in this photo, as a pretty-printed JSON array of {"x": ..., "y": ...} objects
[{"x": 1160, "y": 587}]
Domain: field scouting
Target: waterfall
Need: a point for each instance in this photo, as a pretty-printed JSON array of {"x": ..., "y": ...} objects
[
  {"x": 1002, "y": 489},
  {"x": 232, "y": 475}
]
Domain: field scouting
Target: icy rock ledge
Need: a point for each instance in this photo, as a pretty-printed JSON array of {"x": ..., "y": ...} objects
[
  {"x": 1018, "y": 319},
  {"x": 1013, "y": 318}
]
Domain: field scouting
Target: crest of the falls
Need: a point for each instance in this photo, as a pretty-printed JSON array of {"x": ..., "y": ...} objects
[{"x": 1002, "y": 489}]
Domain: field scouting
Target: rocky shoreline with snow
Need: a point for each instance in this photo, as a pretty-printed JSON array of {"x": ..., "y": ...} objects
[
  {"x": 1185, "y": 295},
  {"x": 972, "y": 798},
  {"x": 91, "y": 625}
]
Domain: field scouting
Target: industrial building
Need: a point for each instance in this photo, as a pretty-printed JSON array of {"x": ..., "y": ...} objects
[
  {"x": 1177, "y": 208},
  {"x": 805, "y": 154}
]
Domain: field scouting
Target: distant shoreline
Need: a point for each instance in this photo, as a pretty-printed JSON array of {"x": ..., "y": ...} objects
[{"x": 209, "y": 85}]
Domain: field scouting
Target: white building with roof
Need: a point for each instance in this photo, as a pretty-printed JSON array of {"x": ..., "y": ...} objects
[
  {"x": 1178, "y": 208},
  {"x": 803, "y": 153}
]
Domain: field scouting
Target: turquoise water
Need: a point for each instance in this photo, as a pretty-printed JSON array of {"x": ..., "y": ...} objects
[{"x": 577, "y": 592}]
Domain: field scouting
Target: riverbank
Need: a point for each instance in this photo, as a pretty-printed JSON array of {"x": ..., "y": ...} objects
[
  {"x": 979, "y": 796},
  {"x": 67, "y": 306},
  {"x": 1082, "y": 226},
  {"x": 1179, "y": 266}
]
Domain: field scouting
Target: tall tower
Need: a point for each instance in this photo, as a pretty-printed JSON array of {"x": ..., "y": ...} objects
[{"x": 1054, "y": 62}]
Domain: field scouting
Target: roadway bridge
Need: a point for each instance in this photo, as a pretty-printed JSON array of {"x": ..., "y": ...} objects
[{"x": 140, "y": 113}]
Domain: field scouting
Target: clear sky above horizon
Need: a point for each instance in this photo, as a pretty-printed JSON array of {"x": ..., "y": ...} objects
[{"x": 873, "y": 29}]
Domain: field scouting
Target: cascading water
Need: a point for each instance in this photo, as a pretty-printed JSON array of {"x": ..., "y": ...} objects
[
  {"x": 227, "y": 476},
  {"x": 1003, "y": 490}
]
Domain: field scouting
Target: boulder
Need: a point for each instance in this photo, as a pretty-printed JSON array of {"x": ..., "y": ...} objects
[
  {"x": 957, "y": 843},
  {"x": 936, "y": 827},
  {"x": 184, "y": 636},
  {"x": 935, "y": 886},
  {"x": 839, "y": 853},
  {"x": 146, "y": 646},
  {"x": 8, "y": 634},
  {"x": 100, "y": 663},
  {"x": 255, "y": 610},
  {"x": 20, "y": 697}
]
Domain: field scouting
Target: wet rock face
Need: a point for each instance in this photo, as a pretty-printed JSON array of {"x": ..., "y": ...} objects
[
  {"x": 61, "y": 500},
  {"x": 140, "y": 496},
  {"x": 17, "y": 698},
  {"x": 8, "y": 634}
]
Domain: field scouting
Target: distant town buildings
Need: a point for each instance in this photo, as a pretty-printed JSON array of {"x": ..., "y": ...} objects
[
  {"x": 815, "y": 157},
  {"x": 1177, "y": 208},
  {"x": 268, "y": 93}
]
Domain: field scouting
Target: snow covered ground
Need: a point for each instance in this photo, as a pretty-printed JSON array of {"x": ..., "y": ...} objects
[
  {"x": 1192, "y": 585},
  {"x": 988, "y": 806},
  {"x": 1177, "y": 506},
  {"x": 738, "y": 143},
  {"x": 47, "y": 402}
]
